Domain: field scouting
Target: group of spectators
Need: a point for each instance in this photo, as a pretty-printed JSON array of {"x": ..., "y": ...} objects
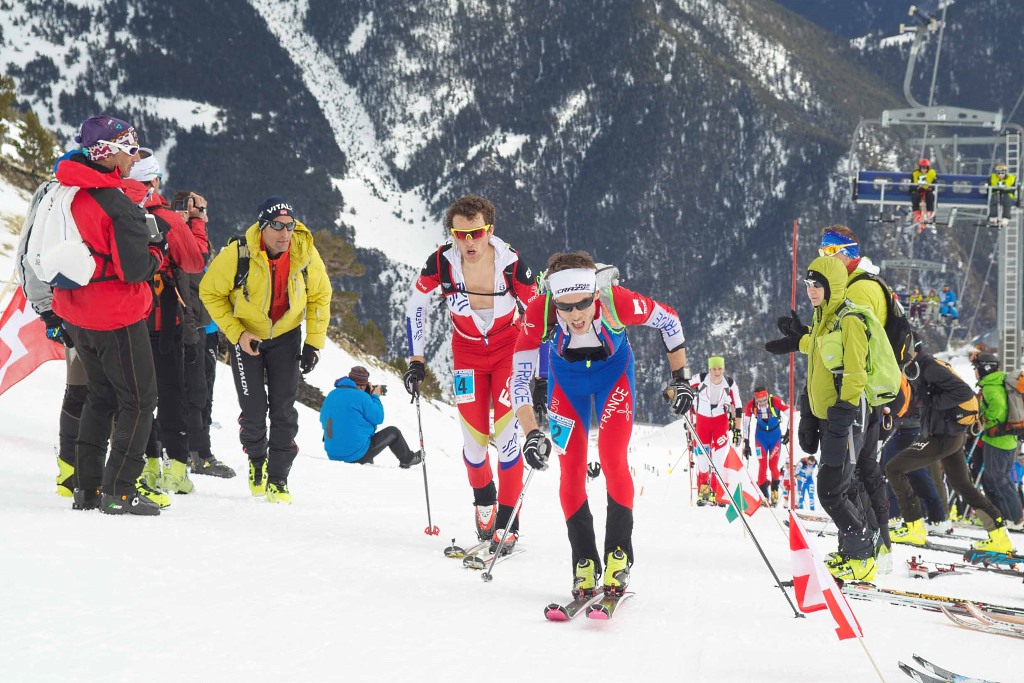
[
  {"x": 929, "y": 309},
  {"x": 141, "y": 334}
]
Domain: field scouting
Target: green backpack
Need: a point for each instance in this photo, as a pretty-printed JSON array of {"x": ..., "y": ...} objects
[{"x": 883, "y": 384}]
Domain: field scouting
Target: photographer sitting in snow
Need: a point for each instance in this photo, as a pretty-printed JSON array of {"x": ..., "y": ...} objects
[{"x": 350, "y": 416}]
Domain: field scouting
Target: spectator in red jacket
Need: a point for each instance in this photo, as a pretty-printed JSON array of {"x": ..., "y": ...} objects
[
  {"x": 186, "y": 244},
  {"x": 107, "y": 319}
]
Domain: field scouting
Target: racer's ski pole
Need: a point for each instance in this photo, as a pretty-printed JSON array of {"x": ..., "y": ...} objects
[
  {"x": 431, "y": 529},
  {"x": 489, "y": 574}
]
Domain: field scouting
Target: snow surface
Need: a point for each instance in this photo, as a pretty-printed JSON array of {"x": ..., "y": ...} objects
[{"x": 344, "y": 584}]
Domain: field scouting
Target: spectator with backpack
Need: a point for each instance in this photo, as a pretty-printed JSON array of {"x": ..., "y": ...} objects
[
  {"x": 106, "y": 318},
  {"x": 948, "y": 407},
  {"x": 185, "y": 247},
  {"x": 259, "y": 290},
  {"x": 999, "y": 444}
]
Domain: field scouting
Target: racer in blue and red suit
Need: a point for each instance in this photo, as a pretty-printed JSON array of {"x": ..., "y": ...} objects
[
  {"x": 590, "y": 356},
  {"x": 768, "y": 412}
]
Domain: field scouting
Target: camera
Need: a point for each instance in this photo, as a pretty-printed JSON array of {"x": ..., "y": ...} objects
[
  {"x": 381, "y": 389},
  {"x": 180, "y": 204}
]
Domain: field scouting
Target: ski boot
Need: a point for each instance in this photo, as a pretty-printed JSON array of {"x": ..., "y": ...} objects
[
  {"x": 939, "y": 528},
  {"x": 209, "y": 465},
  {"x": 510, "y": 542},
  {"x": 883, "y": 556},
  {"x": 277, "y": 492},
  {"x": 176, "y": 479},
  {"x": 152, "y": 474},
  {"x": 775, "y": 497},
  {"x": 852, "y": 569},
  {"x": 65, "y": 471},
  {"x": 131, "y": 503},
  {"x": 910, "y": 533},
  {"x": 86, "y": 499},
  {"x": 584, "y": 583},
  {"x": 705, "y": 495},
  {"x": 258, "y": 477},
  {"x": 998, "y": 541},
  {"x": 415, "y": 459},
  {"x": 616, "y": 572},
  {"x": 485, "y": 520},
  {"x": 153, "y": 495}
]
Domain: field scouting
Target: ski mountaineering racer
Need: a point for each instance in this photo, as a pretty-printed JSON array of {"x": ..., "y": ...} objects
[
  {"x": 768, "y": 412},
  {"x": 590, "y": 357},
  {"x": 483, "y": 283},
  {"x": 716, "y": 405}
]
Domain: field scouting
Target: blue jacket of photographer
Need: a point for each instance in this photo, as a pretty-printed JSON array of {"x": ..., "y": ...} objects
[{"x": 349, "y": 416}]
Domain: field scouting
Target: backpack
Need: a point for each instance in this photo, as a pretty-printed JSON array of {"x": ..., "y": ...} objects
[
  {"x": 53, "y": 246},
  {"x": 968, "y": 409},
  {"x": 897, "y": 326},
  {"x": 242, "y": 268},
  {"x": 883, "y": 381},
  {"x": 1014, "y": 423}
]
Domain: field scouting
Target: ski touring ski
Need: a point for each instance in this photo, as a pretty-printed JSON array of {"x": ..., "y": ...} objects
[
  {"x": 605, "y": 609},
  {"x": 860, "y": 590},
  {"x": 457, "y": 552},
  {"x": 983, "y": 615},
  {"x": 578, "y": 605},
  {"x": 918, "y": 568},
  {"x": 482, "y": 561},
  {"x": 933, "y": 673},
  {"x": 987, "y": 557},
  {"x": 829, "y": 528},
  {"x": 985, "y": 626}
]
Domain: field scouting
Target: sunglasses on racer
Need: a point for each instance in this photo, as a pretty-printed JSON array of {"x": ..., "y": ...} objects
[
  {"x": 578, "y": 305},
  {"x": 472, "y": 233},
  {"x": 833, "y": 249}
]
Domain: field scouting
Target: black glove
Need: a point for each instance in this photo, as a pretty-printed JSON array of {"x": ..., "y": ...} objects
[
  {"x": 540, "y": 392},
  {"x": 191, "y": 354},
  {"x": 55, "y": 331},
  {"x": 746, "y": 450},
  {"x": 785, "y": 438},
  {"x": 308, "y": 360},
  {"x": 679, "y": 393},
  {"x": 594, "y": 470},
  {"x": 808, "y": 432},
  {"x": 784, "y": 345},
  {"x": 412, "y": 378},
  {"x": 840, "y": 417},
  {"x": 536, "y": 450},
  {"x": 791, "y": 325}
]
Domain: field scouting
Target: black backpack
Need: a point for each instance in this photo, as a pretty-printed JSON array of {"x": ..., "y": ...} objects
[
  {"x": 897, "y": 326},
  {"x": 242, "y": 270}
]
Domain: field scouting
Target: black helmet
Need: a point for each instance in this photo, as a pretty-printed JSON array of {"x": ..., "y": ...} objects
[{"x": 985, "y": 363}]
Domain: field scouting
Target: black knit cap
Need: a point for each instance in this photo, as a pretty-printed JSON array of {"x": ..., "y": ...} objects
[
  {"x": 821, "y": 280},
  {"x": 359, "y": 374}
]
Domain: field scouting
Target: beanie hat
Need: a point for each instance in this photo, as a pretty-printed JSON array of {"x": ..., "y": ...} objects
[
  {"x": 359, "y": 374},
  {"x": 716, "y": 362},
  {"x": 97, "y": 131},
  {"x": 147, "y": 168},
  {"x": 271, "y": 208}
]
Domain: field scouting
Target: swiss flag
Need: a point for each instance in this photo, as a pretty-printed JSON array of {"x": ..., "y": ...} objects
[
  {"x": 23, "y": 343},
  {"x": 815, "y": 587}
]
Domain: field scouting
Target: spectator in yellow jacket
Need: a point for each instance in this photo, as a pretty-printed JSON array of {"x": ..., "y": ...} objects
[
  {"x": 923, "y": 185},
  {"x": 258, "y": 291},
  {"x": 1002, "y": 195}
]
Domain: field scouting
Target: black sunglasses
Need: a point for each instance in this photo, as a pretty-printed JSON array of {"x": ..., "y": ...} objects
[
  {"x": 278, "y": 225},
  {"x": 579, "y": 305}
]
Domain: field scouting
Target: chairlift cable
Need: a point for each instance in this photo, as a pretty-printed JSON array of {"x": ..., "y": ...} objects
[{"x": 984, "y": 285}]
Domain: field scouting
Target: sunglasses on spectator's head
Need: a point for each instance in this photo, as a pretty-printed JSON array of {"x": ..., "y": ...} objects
[
  {"x": 281, "y": 225},
  {"x": 471, "y": 233},
  {"x": 579, "y": 305},
  {"x": 130, "y": 150},
  {"x": 833, "y": 249},
  {"x": 813, "y": 283}
]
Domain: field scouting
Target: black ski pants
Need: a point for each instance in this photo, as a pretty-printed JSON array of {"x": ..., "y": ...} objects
[
  {"x": 389, "y": 437},
  {"x": 869, "y": 474},
  {"x": 267, "y": 384},
  {"x": 921, "y": 481},
  {"x": 71, "y": 408},
  {"x": 169, "y": 428},
  {"x": 949, "y": 450},
  {"x": 835, "y": 479},
  {"x": 121, "y": 388},
  {"x": 210, "y": 363},
  {"x": 196, "y": 397},
  {"x": 916, "y": 194}
]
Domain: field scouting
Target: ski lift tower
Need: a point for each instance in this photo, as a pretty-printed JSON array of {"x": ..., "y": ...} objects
[{"x": 962, "y": 190}]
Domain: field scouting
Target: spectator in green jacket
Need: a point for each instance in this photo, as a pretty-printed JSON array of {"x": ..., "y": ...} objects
[
  {"x": 998, "y": 449},
  {"x": 1002, "y": 195}
]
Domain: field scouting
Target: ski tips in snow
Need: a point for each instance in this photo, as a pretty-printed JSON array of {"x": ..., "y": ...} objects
[{"x": 933, "y": 673}]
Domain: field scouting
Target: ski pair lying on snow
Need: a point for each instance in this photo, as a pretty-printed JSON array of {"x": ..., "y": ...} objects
[
  {"x": 935, "y": 673},
  {"x": 988, "y": 622},
  {"x": 861, "y": 590},
  {"x": 597, "y": 606},
  {"x": 919, "y": 567}
]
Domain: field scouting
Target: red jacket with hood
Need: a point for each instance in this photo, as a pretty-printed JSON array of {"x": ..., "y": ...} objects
[{"x": 115, "y": 230}]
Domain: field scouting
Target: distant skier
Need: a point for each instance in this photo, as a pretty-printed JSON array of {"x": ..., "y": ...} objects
[
  {"x": 923, "y": 187},
  {"x": 483, "y": 283},
  {"x": 805, "y": 472},
  {"x": 591, "y": 361},
  {"x": 771, "y": 419},
  {"x": 716, "y": 407}
]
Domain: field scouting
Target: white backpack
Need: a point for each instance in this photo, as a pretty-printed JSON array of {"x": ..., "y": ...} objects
[{"x": 53, "y": 246}]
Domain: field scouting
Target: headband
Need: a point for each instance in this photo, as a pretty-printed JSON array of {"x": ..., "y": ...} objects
[{"x": 572, "y": 281}]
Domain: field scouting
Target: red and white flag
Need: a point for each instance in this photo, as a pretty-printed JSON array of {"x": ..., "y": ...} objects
[
  {"x": 730, "y": 466},
  {"x": 815, "y": 587},
  {"x": 23, "y": 343}
]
